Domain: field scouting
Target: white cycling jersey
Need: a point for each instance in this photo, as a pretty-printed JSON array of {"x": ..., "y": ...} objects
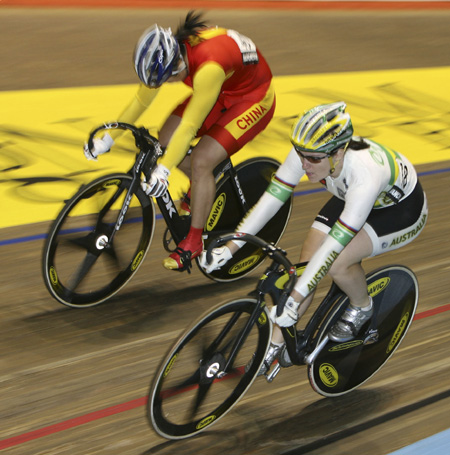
[{"x": 371, "y": 178}]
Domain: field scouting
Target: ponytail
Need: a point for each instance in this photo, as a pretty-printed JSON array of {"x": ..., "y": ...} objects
[{"x": 190, "y": 27}]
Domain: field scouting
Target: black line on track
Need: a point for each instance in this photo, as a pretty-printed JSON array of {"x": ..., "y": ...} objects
[{"x": 335, "y": 437}]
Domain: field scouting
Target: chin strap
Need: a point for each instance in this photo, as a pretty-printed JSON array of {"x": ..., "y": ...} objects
[
  {"x": 330, "y": 160},
  {"x": 332, "y": 165}
]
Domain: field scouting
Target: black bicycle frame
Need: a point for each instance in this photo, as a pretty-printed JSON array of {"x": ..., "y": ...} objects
[
  {"x": 298, "y": 344},
  {"x": 179, "y": 225},
  {"x": 303, "y": 342},
  {"x": 226, "y": 167},
  {"x": 149, "y": 153}
]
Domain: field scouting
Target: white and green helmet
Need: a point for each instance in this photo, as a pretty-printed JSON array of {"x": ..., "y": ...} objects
[{"x": 322, "y": 129}]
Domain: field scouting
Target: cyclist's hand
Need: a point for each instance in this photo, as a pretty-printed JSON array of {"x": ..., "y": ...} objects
[
  {"x": 158, "y": 182},
  {"x": 289, "y": 316},
  {"x": 101, "y": 146},
  {"x": 219, "y": 257}
]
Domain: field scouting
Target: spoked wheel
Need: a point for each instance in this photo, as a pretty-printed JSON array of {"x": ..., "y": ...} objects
[
  {"x": 226, "y": 213},
  {"x": 200, "y": 380},
  {"x": 341, "y": 367},
  {"x": 81, "y": 267}
]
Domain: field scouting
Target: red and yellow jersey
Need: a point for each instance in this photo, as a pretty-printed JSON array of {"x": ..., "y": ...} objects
[
  {"x": 223, "y": 66},
  {"x": 246, "y": 71}
]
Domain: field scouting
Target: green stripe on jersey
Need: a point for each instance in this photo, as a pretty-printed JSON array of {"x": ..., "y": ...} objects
[
  {"x": 391, "y": 156},
  {"x": 279, "y": 190},
  {"x": 342, "y": 234}
]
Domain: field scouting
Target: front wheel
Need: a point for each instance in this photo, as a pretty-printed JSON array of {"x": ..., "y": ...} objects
[
  {"x": 254, "y": 176},
  {"x": 209, "y": 369},
  {"x": 81, "y": 266},
  {"x": 342, "y": 367}
]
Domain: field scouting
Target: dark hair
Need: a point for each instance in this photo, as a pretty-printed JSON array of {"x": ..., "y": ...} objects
[
  {"x": 191, "y": 26},
  {"x": 358, "y": 143}
]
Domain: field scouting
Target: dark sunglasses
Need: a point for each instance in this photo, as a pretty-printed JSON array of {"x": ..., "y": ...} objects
[{"x": 311, "y": 159}]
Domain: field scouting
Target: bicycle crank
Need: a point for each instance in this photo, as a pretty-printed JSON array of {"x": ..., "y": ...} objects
[
  {"x": 167, "y": 240},
  {"x": 311, "y": 357}
]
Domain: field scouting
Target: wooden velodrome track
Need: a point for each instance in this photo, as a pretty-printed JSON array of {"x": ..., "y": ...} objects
[{"x": 74, "y": 381}]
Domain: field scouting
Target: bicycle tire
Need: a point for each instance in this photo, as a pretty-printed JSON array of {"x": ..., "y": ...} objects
[
  {"x": 77, "y": 271},
  {"x": 254, "y": 176},
  {"x": 342, "y": 367},
  {"x": 181, "y": 402}
]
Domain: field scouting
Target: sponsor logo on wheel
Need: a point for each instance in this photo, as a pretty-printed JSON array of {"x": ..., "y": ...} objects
[{"x": 328, "y": 375}]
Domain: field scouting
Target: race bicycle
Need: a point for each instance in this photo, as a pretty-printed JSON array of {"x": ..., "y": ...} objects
[
  {"x": 213, "y": 364},
  {"x": 103, "y": 233}
]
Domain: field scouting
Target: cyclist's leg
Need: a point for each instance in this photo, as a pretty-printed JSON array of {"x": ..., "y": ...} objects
[
  {"x": 224, "y": 131},
  {"x": 380, "y": 234},
  {"x": 348, "y": 273},
  {"x": 206, "y": 155},
  {"x": 313, "y": 240}
]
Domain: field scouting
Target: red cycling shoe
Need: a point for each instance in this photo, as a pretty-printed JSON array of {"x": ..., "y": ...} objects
[{"x": 181, "y": 258}]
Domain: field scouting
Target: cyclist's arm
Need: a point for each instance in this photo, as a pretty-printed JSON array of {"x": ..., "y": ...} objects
[
  {"x": 207, "y": 84},
  {"x": 359, "y": 203},
  {"x": 277, "y": 193},
  {"x": 142, "y": 99}
]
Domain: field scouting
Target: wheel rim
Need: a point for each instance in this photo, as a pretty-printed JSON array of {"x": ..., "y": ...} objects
[
  {"x": 189, "y": 395},
  {"x": 254, "y": 175},
  {"x": 342, "y": 367},
  {"x": 82, "y": 267}
]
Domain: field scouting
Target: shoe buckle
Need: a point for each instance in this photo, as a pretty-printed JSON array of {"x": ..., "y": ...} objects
[{"x": 185, "y": 259}]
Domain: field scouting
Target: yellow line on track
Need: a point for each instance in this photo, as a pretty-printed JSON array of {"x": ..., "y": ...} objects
[{"x": 42, "y": 131}]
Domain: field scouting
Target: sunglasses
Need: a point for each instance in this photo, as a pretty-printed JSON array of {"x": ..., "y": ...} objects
[{"x": 311, "y": 159}]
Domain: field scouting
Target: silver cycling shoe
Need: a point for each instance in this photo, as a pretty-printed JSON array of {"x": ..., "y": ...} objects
[
  {"x": 350, "y": 323},
  {"x": 275, "y": 352},
  {"x": 271, "y": 356}
]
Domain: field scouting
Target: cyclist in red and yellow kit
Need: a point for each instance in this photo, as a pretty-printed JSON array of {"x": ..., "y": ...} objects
[{"x": 232, "y": 101}]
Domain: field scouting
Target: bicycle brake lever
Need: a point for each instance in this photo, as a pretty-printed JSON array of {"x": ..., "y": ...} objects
[{"x": 282, "y": 302}]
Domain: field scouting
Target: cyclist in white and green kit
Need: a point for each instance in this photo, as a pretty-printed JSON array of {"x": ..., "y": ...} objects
[{"x": 378, "y": 205}]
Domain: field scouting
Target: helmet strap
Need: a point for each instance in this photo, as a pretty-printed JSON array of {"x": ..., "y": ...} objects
[
  {"x": 181, "y": 64},
  {"x": 334, "y": 164}
]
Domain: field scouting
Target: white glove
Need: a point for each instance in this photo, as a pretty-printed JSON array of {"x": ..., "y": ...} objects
[
  {"x": 158, "y": 183},
  {"x": 101, "y": 146},
  {"x": 289, "y": 316},
  {"x": 219, "y": 257}
]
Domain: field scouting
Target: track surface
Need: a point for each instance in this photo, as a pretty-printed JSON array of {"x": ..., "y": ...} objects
[{"x": 73, "y": 381}]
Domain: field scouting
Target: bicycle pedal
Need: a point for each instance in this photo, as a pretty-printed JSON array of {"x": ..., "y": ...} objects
[
  {"x": 372, "y": 337},
  {"x": 275, "y": 370}
]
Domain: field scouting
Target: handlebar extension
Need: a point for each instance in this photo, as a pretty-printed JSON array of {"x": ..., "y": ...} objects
[{"x": 141, "y": 135}]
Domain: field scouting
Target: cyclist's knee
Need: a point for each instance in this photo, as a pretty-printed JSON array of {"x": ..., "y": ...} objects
[
  {"x": 204, "y": 163},
  {"x": 201, "y": 168},
  {"x": 342, "y": 270}
]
